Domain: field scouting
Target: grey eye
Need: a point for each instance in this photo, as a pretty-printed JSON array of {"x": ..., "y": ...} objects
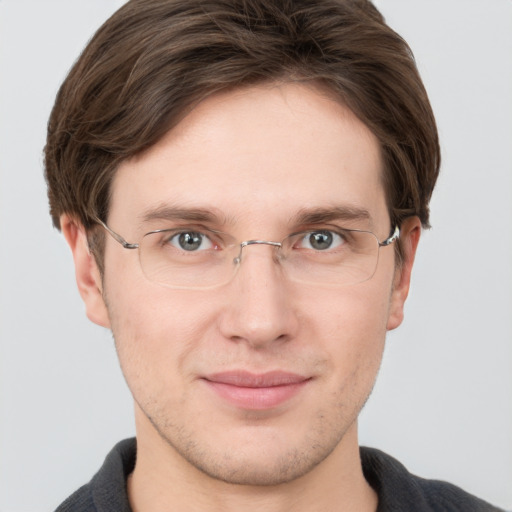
[
  {"x": 191, "y": 241},
  {"x": 321, "y": 240}
]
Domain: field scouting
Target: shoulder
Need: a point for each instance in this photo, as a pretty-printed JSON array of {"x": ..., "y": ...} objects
[
  {"x": 107, "y": 489},
  {"x": 400, "y": 490},
  {"x": 79, "y": 501}
]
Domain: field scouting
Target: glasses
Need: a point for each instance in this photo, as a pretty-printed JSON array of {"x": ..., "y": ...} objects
[{"x": 199, "y": 258}]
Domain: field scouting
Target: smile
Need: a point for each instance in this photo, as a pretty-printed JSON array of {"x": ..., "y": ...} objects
[{"x": 256, "y": 391}]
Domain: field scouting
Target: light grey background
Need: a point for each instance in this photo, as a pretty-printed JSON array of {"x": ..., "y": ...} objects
[{"x": 442, "y": 404}]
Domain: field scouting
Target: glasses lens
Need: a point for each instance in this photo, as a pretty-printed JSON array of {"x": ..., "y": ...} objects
[
  {"x": 185, "y": 260},
  {"x": 331, "y": 257},
  {"x": 324, "y": 257}
]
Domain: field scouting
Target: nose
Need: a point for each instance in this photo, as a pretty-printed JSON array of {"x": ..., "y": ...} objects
[
  {"x": 259, "y": 304},
  {"x": 238, "y": 259}
]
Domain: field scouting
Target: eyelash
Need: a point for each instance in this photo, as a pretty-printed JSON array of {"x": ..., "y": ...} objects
[{"x": 339, "y": 235}]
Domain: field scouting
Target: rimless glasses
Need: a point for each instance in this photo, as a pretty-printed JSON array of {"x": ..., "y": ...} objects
[{"x": 199, "y": 258}]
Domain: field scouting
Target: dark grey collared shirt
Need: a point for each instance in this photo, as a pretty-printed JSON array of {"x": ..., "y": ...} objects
[{"x": 398, "y": 490}]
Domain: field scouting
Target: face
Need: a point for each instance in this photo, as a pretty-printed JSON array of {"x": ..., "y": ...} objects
[{"x": 262, "y": 379}]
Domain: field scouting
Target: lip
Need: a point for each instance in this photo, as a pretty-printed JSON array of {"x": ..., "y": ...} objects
[{"x": 253, "y": 391}]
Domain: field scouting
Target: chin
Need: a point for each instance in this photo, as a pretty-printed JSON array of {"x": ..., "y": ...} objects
[
  {"x": 254, "y": 456},
  {"x": 242, "y": 469}
]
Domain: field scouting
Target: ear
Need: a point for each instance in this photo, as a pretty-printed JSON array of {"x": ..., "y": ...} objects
[
  {"x": 87, "y": 274},
  {"x": 410, "y": 232}
]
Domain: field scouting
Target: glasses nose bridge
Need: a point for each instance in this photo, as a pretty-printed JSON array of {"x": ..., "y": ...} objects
[{"x": 238, "y": 259}]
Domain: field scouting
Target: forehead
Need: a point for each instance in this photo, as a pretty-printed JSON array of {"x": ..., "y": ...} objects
[{"x": 260, "y": 152}]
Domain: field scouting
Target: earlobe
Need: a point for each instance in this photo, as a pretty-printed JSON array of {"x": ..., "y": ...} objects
[
  {"x": 87, "y": 274},
  {"x": 410, "y": 232}
]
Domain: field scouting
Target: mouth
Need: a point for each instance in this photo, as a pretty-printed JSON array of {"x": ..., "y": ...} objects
[{"x": 251, "y": 391}]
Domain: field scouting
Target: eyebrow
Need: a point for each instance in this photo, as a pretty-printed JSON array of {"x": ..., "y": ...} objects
[
  {"x": 330, "y": 214},
  {"x": 317, "y": 215},
  {"x": 169, "y": 212}
]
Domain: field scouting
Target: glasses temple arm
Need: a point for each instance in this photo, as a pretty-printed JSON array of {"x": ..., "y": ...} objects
[
  {"x": 392, "y": 238},
  {"x": 116, "y": 237}
]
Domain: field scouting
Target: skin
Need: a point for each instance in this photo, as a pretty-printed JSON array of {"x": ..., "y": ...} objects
[{"x": 256, "y": 157}]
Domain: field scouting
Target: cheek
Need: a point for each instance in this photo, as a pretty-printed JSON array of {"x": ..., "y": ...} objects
[
  {"x": 351, "y": 329},
  {"x": 156, "y": 332},
  {"x": 357, "y": 317}
]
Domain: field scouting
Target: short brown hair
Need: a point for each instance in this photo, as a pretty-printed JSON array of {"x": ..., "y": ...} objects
[{"x": 154, "y": 59}]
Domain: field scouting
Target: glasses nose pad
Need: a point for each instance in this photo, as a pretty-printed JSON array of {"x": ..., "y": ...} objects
[{"x": 238, "y": 259}]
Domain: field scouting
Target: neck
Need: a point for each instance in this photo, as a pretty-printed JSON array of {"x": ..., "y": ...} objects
[{"x": 163, "y": 480}]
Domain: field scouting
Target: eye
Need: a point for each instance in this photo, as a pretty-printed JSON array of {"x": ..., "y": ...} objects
[
  {"x": 191, "y": 241},
  {"x": 320, "y": 240}
]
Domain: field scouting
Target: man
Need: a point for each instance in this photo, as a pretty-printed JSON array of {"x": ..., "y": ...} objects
[{"x": 243, "y": 186}]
